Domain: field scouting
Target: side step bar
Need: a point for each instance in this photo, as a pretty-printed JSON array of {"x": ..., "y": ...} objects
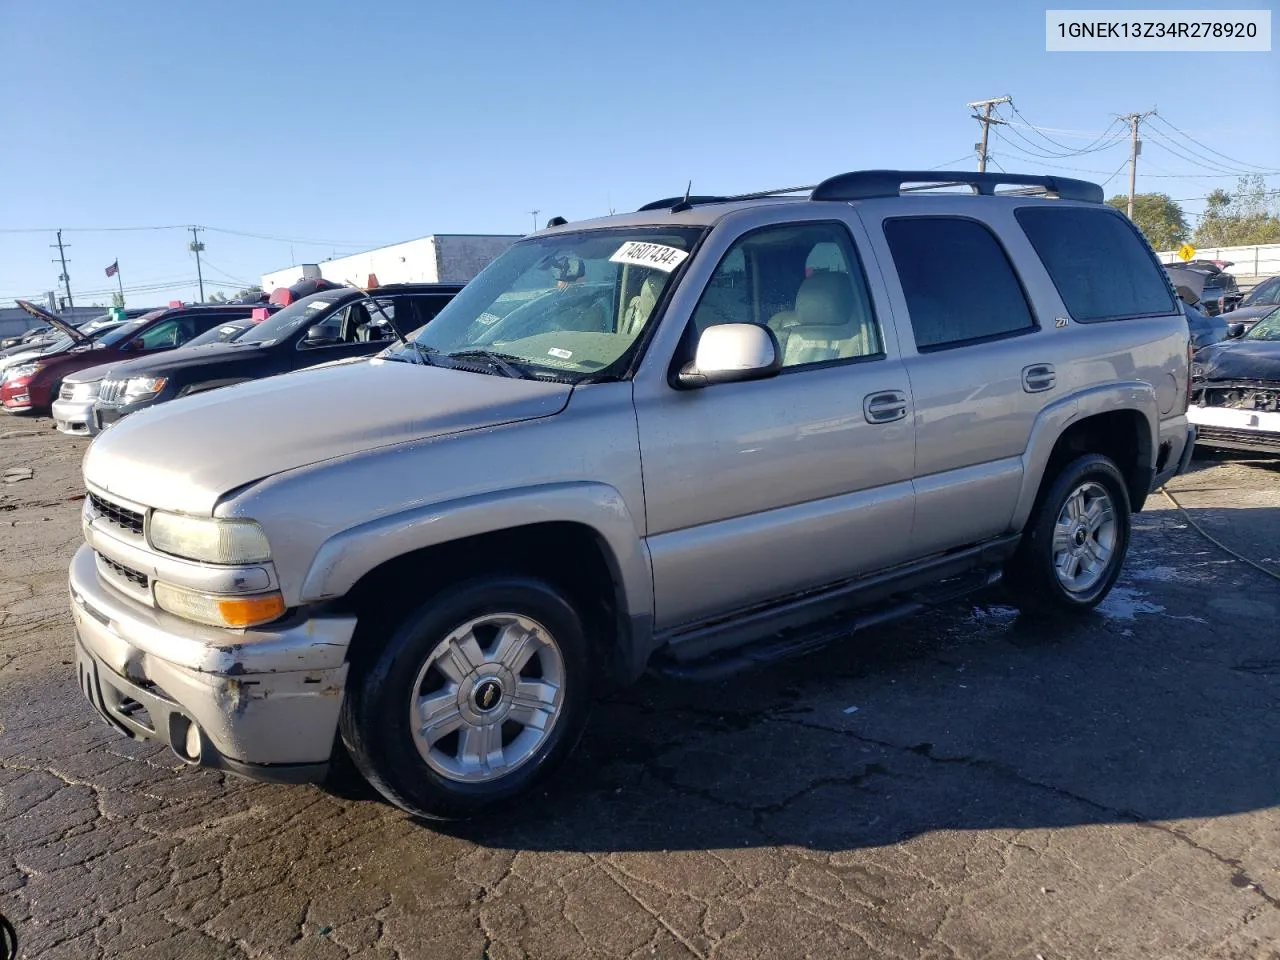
[{"x": 799, "y": 641}]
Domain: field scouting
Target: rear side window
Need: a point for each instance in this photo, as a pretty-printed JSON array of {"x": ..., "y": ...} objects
[
  {"x": 959, "y": 284},
  {"x": 1100, "y": 265}
]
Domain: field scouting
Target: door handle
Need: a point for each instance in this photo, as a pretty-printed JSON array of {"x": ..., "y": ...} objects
[
  {"x": 884, "y": 407},
  {"x": 1039, "y": 377}
]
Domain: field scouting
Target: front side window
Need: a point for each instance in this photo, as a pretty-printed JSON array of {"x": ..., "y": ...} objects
[
  {"x": 1265, "y": 294},
  {"x": 169, "y": 333},
  {"x": 305, "y": 312},
  {"x": 805, "y": 283},
  {"x": 958, "y": 282},
  {"x": 1268, "y": 328},
  {"x": 567, "y": 305},
  {"x": 1100, "y": 265}
]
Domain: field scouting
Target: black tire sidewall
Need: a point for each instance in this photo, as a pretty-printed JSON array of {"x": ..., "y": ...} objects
[
  {"x": 1034, "y": 560},
  {"x": 375, "y": 716}
]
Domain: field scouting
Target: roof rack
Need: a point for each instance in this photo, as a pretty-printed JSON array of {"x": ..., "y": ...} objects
[{"x": 869, "y": 184}]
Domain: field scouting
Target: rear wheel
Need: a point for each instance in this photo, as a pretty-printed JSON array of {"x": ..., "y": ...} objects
[
  {"x": 472, "y": 699},
  {"x": 1074, "y": 545}
]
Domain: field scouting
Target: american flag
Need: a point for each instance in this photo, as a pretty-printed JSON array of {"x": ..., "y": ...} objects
[{"x": 113, "y": 269}]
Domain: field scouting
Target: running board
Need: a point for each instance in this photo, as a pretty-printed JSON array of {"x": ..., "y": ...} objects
[{"x": 800, "y": 641}]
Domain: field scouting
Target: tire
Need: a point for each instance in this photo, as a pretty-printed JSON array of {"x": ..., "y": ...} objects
[
  {"x": 459, "y": 658},
  {"x": 1091, "y": 543}
]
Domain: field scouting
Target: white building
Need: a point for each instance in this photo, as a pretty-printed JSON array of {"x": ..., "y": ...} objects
[{"x": 441, "y": 258}]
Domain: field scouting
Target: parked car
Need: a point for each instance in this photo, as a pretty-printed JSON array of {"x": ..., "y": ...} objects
[
  {"x": 33, "y": 385},
  {"x": 441, "y": 554},
  {"x": 1215, "y": 289},
  {"x": 1236, "y": 390},
  {"x": 1257, "y": 303},
  {"x": 73, "y": 410},
  {"x": 77, "y": 337},
  {"x": 332, "y": 325},
  {"x": 44, "y": 332}
]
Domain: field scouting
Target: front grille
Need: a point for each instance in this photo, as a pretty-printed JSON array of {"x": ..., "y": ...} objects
[
  {"x": 136, "y": 577},
  {"x": 111, "y": 391},
  {"x": 120, "y": 516},
  {"x": 67, "y": 390},
  {"x": 1239, "y": 439}
]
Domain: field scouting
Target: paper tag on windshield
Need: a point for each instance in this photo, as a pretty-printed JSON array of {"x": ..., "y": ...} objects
[
  {"x": 655, "y": 255},
  {"x": 562, "y": 354}
]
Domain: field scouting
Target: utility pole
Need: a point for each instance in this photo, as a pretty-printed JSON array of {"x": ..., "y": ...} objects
[
  {"x": 195, "y": 247},
  {"x": 986, "y": 120},
  {"x": 62, "y": 257},
  {"x": 1135, "y": 149},
  {"x": 535, "y": 219}
]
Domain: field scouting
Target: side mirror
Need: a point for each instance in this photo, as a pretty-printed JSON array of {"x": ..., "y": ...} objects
[
  {"x": 317, "y": 334},
  {"x": 1235, "y": 331},
  {"x": 730, "y": 352}
]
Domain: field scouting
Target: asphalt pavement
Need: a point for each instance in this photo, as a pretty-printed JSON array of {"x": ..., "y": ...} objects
[{"x": 973, "y": 783}]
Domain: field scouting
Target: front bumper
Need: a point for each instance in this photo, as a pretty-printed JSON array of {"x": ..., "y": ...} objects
[
  {"x": 270, "y": 710},
  {"x": 1231, "y": 429},
  {"x": 108, "y": 414},
  {"x": 74, "y": 417}
]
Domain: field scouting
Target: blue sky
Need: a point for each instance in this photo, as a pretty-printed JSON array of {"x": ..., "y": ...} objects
[{"x": 359, "y": 124}]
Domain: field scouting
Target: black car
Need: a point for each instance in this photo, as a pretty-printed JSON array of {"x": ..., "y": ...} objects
[
  {"x": 1216, "y": 290},
  {"x": 326, "y": 326}
]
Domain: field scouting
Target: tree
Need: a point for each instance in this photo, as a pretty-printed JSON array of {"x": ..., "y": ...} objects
[
  {"x": 1159, "y": 218},
  {"x": 248, "y": 293},
  {"x": 117, "y": 300},
  {"x": 1249, "y": 216},
  {"x": 217, "y": 297}
]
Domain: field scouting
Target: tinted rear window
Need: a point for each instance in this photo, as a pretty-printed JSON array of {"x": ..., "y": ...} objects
[
  {"x": 1099, "y": 263},
  {"x": 959, "y": 284}
]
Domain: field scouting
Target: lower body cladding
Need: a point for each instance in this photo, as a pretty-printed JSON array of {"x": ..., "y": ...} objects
[
  {"x": 254, "y": 718},
  {"x": 1232, "y": 428},
  {"x": 74, "y": 417}
]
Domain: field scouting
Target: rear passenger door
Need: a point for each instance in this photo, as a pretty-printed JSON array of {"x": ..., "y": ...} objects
[{"x": 978, "y": 365}]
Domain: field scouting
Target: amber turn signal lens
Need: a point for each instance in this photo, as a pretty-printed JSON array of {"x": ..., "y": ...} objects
[{"x": 246, "y": 611}]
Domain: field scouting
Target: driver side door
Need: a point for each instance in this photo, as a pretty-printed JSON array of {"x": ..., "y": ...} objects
[{"x": 761, "y": 489}]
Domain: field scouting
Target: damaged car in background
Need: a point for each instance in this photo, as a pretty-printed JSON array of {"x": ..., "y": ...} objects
[{"x": 1236, "y": 390}]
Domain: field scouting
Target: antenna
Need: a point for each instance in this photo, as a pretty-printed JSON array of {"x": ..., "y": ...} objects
[{"x": 688, "y": 190}]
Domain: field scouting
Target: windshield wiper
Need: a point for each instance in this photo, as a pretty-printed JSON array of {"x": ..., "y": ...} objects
[{"x": 501, "y": 361}]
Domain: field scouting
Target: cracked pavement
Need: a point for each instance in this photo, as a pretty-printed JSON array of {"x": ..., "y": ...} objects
[{"x": 969, "y": 784}]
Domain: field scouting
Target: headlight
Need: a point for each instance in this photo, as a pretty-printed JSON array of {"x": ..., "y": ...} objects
[
  {"x": 219, "y": 611},
  {"x": 215, "y": 541},
  {"x": 86, "y": 391},
  {"x": 138, "y": 387},
  {"x": 23, "y": 370}
]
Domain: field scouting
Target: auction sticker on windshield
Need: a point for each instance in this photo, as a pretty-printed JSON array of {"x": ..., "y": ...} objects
[{"x": 656, "y": 255}]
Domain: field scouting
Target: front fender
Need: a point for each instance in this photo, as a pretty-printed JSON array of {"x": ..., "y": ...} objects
[
  {"x": 1054, "y": 420},
  {"x": 347, "y": 556}
]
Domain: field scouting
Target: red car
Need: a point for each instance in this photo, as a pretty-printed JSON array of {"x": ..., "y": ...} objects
[{"x": 33, "y": 386}]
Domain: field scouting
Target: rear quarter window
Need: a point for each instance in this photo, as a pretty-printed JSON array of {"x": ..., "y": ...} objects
[{"x": 1101, "y": 266}]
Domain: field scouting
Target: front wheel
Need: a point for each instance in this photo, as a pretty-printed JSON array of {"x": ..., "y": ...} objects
[
  {"x": 472, "y": 699},
  {"x": 1075, "y": 541}
]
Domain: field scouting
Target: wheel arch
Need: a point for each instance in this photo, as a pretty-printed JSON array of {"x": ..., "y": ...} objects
[
  {"x": 579, "y": 537},
  {"x": 1120, "y": 421}
]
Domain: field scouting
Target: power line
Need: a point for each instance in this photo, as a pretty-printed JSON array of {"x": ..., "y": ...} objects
[
  {"x": 178, "y": 226},
  {"x": 1062, "y": 146},
  {"x": 950, "y": 163},
  {"x": 1187, "y": 157},
  {"x": 1241, "y": 163}
]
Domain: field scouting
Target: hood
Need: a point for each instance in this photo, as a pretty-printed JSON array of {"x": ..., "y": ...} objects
[
  {"x": 183, "y": 358},
  {"x": 1248, "y": 314},
  {"x": 1240, "y": 360},
  {"x": 186, "y": 454},
  {"x": 19, "y": 357},
  {"x": 90, "y": 374},
  {"x": 53, "y": 320}
]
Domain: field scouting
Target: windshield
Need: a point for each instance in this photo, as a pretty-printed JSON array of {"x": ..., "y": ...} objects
[
  {"x": 570, "y": 305},
  {"x": 1264, "y": 294},
  {"x": 64, "y": 342},
  {"x": 298, "y": 314},
  {"x": 125, "y": 330},
  {"x": 1268, "y": 328},
  {"x": 223, "y": 333}
]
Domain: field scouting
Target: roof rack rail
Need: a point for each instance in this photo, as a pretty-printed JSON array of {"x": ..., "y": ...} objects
[
  {"x": 869, "y": 184},
  {"x": 685, "y": 202}
]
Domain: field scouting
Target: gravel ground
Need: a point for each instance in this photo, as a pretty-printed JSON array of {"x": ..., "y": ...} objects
[{"x": 967, "y": 784}]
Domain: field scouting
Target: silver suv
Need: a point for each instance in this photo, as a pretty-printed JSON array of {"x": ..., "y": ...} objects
[{"x": 709, "y": 433}]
